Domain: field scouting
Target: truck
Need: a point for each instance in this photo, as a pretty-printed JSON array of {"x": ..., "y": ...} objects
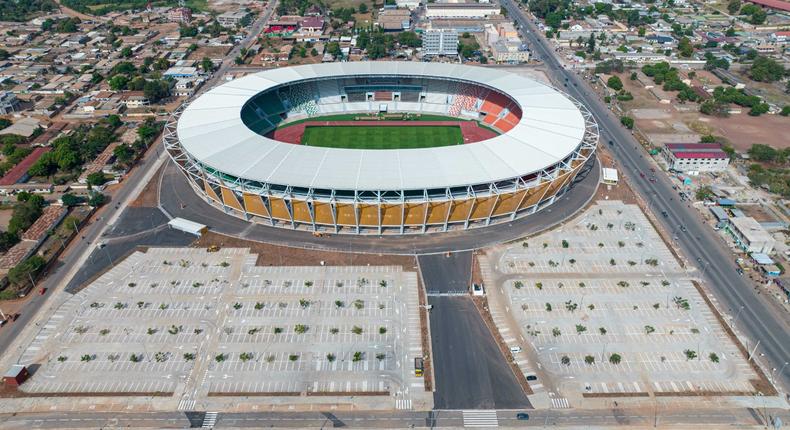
[{"x": 419, "y": 366}]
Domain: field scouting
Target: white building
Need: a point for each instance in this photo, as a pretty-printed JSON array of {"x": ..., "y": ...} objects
[
  {"x": 408, "y": 4},
  {"x": 232, "y": 18},
  {"x": 696, "y": 157},
  {"x": 510, "y": 51},
  {"x": 750, "y": 235},
  {"x": 460, "y": 10},
  {"x": 440, "y": 42}
]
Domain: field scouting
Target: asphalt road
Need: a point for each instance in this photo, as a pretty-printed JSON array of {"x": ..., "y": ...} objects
[
  {"x": 741, "y": 418},
  {"x": 446, "y": 273},
  {"x": 179, "y": 200},
  {"x": 469, "y": 370},
  {"x": 698, "y": 242}
]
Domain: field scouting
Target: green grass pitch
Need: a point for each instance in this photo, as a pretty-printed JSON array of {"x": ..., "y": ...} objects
[{"x": 372, "y": 137}]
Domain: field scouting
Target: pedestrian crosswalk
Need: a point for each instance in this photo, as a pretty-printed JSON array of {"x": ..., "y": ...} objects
[
  {"x": 403, "y": 404},
  {"x": 209, "y": 420},
  {"x": 483, "y": 418},
  {"x": 186, "y": 405},
  {"x": 560, "y": 403}
]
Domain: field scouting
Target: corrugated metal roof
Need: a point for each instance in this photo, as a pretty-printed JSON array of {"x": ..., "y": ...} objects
[{"x": 551, "y": 128}]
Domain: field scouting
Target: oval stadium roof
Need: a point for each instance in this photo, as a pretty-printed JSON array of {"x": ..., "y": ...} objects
[{"x": 210, "y": 129}]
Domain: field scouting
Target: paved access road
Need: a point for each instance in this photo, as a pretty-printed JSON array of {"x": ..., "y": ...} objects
[
  {"x": 607, "y": 418},
  {"x": 469, "y": 370},
  {"x": 697, "y": 241},
  {"x": 180, "y": 200}
]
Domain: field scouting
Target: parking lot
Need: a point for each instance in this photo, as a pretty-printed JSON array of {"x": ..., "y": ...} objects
[
  {"x": 607, "y": 309},
  {"x": 192, "y": 324}
]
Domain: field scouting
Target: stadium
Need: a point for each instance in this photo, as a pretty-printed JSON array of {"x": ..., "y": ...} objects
[{"x": 381, "y": 147}]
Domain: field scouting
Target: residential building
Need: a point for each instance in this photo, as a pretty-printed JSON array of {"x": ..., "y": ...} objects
[
  {"x": 181, "y": 72},
  {"x": 750, "y": 236},
  {"x": 180, "y": 14},
  {"x": 19, "y": 173},
  {"x": 440, "y": 42},
  {"x": 8, "y": 103},
  {"x": 232, "y": 18},
  {"x": 135, "y": 99},
  {"x": 696, "y": 157},
  {"x": 312, "y": 24}
]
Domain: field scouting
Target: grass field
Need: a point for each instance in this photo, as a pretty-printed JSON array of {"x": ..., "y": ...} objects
[{"x": 363, "y": 137}]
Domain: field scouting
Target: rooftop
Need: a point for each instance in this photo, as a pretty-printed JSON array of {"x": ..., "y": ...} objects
[{"x": 552, "y": 127}]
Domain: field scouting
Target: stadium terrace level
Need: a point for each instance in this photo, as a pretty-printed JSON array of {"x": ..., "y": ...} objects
[{"x": 219, "y": 141}]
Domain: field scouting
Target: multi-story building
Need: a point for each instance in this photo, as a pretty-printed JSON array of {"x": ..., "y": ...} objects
[
  {"x": 180, "y": 14},
  {"x": 696, "y": 157},
  {"x": 440, "y": 42},
  {"x": 233, "y": 18},
  {"x": 750, "y": 236},
  {"x": 460, "y": 10},
  {"x": 8, "y": 103},
  {"x": 510, "y": 51}
]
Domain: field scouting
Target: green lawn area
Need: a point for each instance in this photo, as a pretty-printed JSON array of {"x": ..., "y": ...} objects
[{"x": 363, "y": 137}]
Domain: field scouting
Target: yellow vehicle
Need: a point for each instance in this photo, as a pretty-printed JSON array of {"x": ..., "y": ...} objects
[
  {"x": 418, "y": 366},
  {"x": 212, "y": 248}
]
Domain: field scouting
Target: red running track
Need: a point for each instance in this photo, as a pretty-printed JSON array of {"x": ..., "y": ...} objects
[{"x": 469, "y": 129}]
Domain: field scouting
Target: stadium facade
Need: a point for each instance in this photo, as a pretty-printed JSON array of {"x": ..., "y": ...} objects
[{"x": 220, "y": 142}]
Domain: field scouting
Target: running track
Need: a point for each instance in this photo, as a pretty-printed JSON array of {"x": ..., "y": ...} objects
[{"x": 469, "y": 129}]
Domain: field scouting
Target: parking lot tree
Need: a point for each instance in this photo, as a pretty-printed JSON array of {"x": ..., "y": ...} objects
[
  {"x": 565, "y": 360},
  {"x": 330, "y": 357},
  {"x": 301, "y": 329},
  {"x": 615, "y": 358},
  {"x": 602, "y": 330},
  {"x": 589, "y": 359},
  {"x": 713, "y": 357},
  {"x": 649, "y": 329},
  {"x": 220, "y": 358},
  {"x": 356, "y": 329},
  {"x": 690, "y": 354},
  {"x": 188, "y": 356},
  {"x": 246, "y": 356},
  {"x": 293, "y": 357},
  {"x": 358, "y": 356}
]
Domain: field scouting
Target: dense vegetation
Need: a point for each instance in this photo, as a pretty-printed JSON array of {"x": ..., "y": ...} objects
[
  {"x": 72, "y": 151},
  {"x": 25, "y": 10},
  {"x": 554, "y": 11},
  {"x": 101, "y": 7},
  {"x": 667, "y": 76}
]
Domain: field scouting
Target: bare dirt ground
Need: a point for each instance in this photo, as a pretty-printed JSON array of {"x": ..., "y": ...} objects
[
  {"x": 757, "y": 212},
  {"x": 742, "y": 131},
  {"x": 210, "y": 52},
  {"x": 149, "y": 196}
]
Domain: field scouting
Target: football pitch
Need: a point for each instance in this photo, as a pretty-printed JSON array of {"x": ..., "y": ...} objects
[{"x": 373, "y": 137}]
